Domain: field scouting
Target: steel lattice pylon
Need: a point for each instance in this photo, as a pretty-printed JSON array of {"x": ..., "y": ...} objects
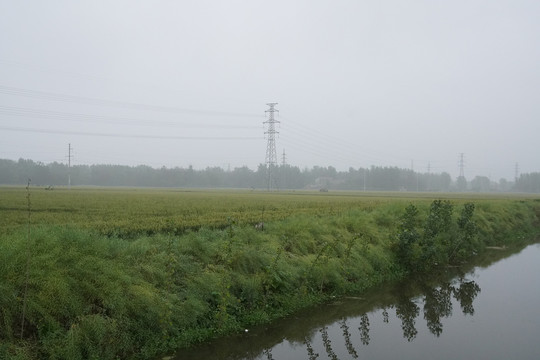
[{"x": 271, "y": 154}]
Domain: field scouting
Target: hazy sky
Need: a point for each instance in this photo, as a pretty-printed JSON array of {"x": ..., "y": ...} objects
[{"x": 359, "y": 83}]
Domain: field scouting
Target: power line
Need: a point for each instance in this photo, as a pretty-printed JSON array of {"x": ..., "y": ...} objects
[
  {"x": 90, "y": 118},
  {"x": 330, "y": 144},
  {"x": 136, "y": 136},
  {"x": 42, "y": 95}
]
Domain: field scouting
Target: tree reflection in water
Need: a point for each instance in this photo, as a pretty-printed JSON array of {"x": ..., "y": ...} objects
[
  {"x": 407, "y": 311},
  {"x": 327, "y": 343},
  {"x": 268, "y": 353},
  {"x": 312, "y": 355},
  {"x": 465, "y": 294},
  {"x": 364, "y": 329},
  {"x": 385, "y": 315},
  {"x": 347, "y": 335},
  {"x": 436, "y": 304}
]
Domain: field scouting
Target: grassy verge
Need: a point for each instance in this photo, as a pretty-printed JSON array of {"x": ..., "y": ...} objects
[{"x": 90, "y": 295}]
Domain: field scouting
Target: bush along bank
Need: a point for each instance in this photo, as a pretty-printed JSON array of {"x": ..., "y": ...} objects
[{"x": 68, "y": 293}]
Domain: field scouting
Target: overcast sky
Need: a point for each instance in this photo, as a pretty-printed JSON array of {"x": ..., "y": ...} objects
[{"x": 358, "y": 83}]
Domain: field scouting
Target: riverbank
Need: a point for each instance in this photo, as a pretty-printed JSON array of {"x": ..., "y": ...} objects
[
  {"x": 72, "y": 292},
  {"x": 474, "y": 305}
]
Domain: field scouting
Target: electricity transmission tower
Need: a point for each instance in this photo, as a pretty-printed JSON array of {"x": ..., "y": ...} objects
[
  {"x": 271, "y": 155},
  {"x": 461, "y": 181},
  {"x": 461, "y": 166}
]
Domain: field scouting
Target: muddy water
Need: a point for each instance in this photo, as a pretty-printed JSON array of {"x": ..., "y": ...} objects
[{"x": 491, "y": 311}]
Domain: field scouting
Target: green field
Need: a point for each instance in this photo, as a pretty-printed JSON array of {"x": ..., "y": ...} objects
[
  {"x": 132, "y": 273},
  {"x": 135, "y": 211},
  {"x": 148, "y": 211}
]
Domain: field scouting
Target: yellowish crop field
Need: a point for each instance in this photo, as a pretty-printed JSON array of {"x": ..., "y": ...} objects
[{"x": 132, "y": 211}]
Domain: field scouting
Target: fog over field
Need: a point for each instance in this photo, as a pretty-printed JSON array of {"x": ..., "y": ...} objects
[{"x": 358, "y": 83}]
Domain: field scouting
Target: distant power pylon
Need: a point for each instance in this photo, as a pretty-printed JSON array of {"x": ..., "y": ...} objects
[
  {"x": 461, "y": 181},
  {"x": 461, "y": 166},
  {"x": 284, "y": 158},
  {"x": 271, "y": 155}
]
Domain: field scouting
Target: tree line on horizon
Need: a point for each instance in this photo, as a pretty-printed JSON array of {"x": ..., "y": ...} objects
[{"x": 374, "y": 178}]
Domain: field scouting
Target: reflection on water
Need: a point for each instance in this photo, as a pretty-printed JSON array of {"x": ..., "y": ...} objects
[
  {"x": 436, "y": 304},
  {"x": 372, "y": 326},
  {"x": 268, "y": 354},
  {"x": 312, "y": 355},
  {"x": 327, "y": 343},
  {"x": 347, "y": 335}
]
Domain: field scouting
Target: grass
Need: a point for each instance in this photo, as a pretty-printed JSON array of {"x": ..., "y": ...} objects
[{"x": 131, "y": 273}]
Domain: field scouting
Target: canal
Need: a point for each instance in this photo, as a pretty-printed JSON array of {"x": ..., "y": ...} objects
[{"x": 489, "y": 311}]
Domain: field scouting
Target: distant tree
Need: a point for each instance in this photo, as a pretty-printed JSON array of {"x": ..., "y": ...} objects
[
  {"x": 287, "y": 177},
  {"x": 504, "y": 185},
  {"x": 461, "y": 183},
  {"x": 480, "y": 184},
  {"x": 8, "y": 174},
  {"x": 445, "y": 182},
  {"x": 528, "y": 183}
]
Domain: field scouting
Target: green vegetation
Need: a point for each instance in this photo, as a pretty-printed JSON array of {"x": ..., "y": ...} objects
[
  {"x": 442, "y": 241},
  {"x": 132, "y": 273}
]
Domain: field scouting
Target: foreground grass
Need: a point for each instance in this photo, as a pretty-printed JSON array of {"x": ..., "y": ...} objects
[{"x": 103, "y": 295}]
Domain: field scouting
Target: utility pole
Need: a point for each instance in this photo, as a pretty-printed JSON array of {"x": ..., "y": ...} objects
[
  {"x": 69, "y": 166},
  {"x": 417, "y": 175},
  {"x": 271, "y": 155},
  {"x": 365, "y": 174},
  {"x": 516, "y": 175},
  {"x": 429, "y": 176}
]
